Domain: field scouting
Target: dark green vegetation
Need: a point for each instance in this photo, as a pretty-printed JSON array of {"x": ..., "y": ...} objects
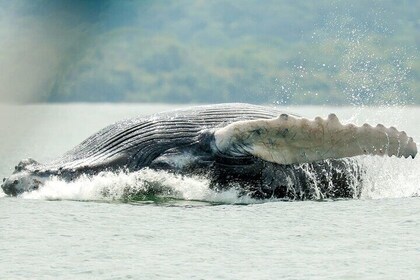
[{"x": 289, "y": 52}]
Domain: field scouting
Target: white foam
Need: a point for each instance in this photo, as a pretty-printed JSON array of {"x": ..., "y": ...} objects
[
  {"x": 116, "y": 186},
  {"x": 390, "y": 178},
  {"x": 383, "y": 178}
]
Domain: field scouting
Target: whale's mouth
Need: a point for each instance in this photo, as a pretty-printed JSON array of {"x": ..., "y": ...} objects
[
  {"x": 25, "y": 178},
  {"x": 21, "y": 182},
  {"x": 9, "y": 187}
]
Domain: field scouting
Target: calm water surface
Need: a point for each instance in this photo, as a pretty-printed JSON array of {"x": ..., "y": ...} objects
[{"x": 70, "y": 231}]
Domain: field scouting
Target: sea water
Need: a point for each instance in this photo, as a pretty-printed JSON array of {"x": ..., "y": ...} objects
[{"x": 75, "y": 231}]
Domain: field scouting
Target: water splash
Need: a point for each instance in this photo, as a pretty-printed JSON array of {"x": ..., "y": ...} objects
[
  {"x": 143, "y": 185},
  {"x": 390, "y": 178},
  {"x": 351, "y": 62},
  {"x": 382, "y": 178}
]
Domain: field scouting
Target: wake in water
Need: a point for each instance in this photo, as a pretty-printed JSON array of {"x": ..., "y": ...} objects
[{"x": 381, "y": 178}]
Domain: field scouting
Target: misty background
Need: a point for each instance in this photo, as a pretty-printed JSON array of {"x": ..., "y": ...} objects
[{"x": 283, "y": 52}]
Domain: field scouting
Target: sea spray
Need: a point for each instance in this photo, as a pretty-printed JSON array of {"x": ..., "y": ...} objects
[
  {"x": 382, "y": 177},
  {"x": 143, "y": 185}
]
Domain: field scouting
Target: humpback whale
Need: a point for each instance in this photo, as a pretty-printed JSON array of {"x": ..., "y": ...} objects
[{"x": 261, "y": 151}]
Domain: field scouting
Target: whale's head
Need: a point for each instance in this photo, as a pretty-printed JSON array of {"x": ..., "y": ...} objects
[
  {"x": 21, "y": 182},
  {"x": 26, "y": 177}
]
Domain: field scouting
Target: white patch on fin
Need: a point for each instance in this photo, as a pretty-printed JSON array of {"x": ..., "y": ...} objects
[{"x": 289, "y": 139}]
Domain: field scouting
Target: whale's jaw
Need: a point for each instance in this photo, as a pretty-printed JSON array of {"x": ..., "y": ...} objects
[
  {"x": 26, "y": 177},
  {"x": 21, "y": 182}
]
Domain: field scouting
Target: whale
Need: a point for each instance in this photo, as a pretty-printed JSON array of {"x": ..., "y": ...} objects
[{"x": 260, "y": 151}]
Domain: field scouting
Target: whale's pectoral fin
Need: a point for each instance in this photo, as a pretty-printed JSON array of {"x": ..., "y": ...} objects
[{"x": 289, "y": 139}]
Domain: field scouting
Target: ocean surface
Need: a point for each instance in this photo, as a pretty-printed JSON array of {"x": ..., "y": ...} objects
[{"x": 74, "y": 231}]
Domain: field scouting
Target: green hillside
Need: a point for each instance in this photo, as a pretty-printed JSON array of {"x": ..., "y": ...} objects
[{"x": 289, "y": 52}]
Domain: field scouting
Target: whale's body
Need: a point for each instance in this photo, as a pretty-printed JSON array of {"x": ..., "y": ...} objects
[{"x": 260, "y": 150}]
